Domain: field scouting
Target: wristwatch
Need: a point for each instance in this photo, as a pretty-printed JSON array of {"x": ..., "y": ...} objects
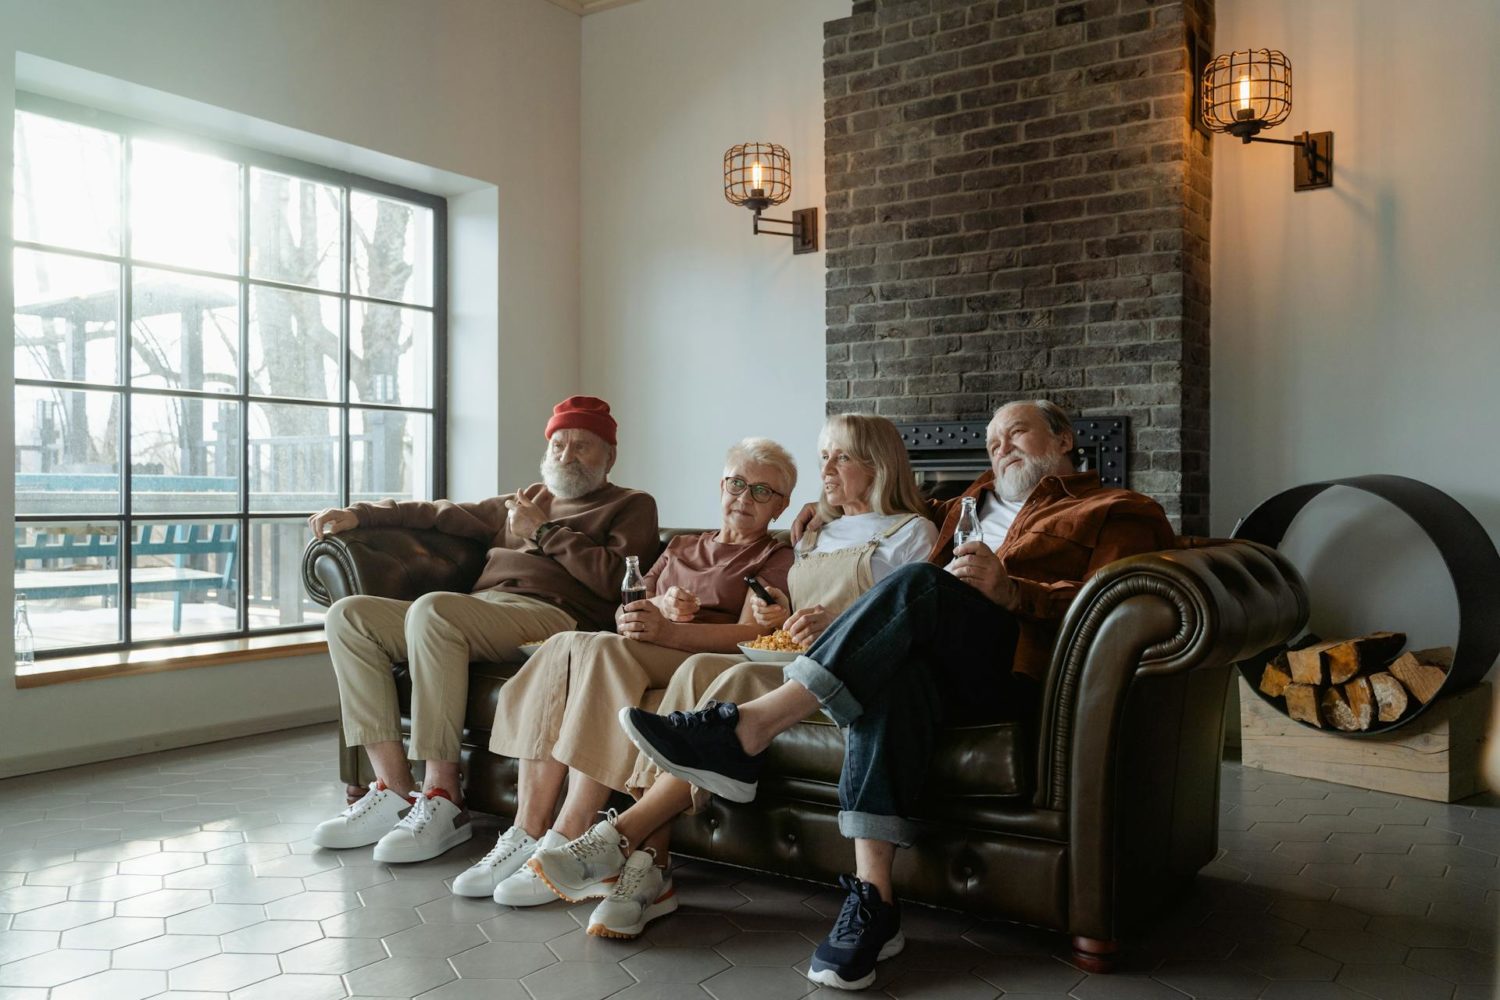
[{"x": 541, "y": 532}]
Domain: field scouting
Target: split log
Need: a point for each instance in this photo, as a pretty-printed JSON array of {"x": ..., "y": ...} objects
[
  {"x": 1308, "y": 665},
  {"x": 1390, "y": 696},
  {"x": 1275, "y": 677},
  {"x": 1362, "y": 655},
  {"x": 1302, "y": 704},
  {"x": 1361, "y": 702},
  {"x": 1336, "y": 710},
  {"x": 1423, "y": 671}
]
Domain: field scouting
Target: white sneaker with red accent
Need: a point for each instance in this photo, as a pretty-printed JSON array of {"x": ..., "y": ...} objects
[
  {"x": 642, "y": 893},
  {"x": 368, "y": 819},
  {"x": 430, "y": 827}
]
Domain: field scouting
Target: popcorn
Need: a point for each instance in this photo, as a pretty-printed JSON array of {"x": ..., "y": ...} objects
[{"x": 779, "y": 641}]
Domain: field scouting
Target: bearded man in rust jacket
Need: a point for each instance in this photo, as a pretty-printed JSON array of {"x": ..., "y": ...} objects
[
  {"x": 952, "y": 640},
  {"x": 556, "y": 557}
]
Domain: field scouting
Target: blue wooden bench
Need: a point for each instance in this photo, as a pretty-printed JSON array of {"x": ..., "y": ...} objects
[{"x": 57, "y": 556}]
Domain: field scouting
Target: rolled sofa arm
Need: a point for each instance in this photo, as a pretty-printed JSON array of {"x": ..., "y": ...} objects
[
  {"x": 1157, "y": 614},
  {"x": 403, "y": 563}
]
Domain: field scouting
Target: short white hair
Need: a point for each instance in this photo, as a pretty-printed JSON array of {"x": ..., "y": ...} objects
[{"x": 764, "y": 451}]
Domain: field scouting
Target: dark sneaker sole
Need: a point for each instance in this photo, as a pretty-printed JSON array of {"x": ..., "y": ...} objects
[
  {"x": 710, "y": 781},
  {"x": 830, "y": 977}
]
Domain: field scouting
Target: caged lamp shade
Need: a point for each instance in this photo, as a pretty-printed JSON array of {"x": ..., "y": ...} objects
[
  {"x": 1247, "y": 91},
  {"x": 757, "y": 175}
]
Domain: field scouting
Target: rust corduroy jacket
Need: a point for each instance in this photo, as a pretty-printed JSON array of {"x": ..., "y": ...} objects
[{"x": 1069, "y": 527}]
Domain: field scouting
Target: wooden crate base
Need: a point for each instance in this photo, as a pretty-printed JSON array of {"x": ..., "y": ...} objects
[{"x": 1437, "y": 757}]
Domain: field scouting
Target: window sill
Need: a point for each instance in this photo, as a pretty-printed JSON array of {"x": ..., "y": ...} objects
[{"x": 96, "y": 666}]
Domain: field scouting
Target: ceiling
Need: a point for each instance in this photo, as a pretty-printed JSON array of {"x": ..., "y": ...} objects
[{"x": 590, "y": 6}]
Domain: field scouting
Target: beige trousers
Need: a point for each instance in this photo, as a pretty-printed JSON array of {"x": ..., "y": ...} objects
[
  {"x": 702, "y": 678},
  {"x": 437, "y": 634},
  {"x": 564, "y": 704}
]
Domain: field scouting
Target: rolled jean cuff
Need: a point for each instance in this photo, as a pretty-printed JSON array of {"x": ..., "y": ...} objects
[
  {"x": 842, "y": 707},
  {"x": 870, "y": 826}
]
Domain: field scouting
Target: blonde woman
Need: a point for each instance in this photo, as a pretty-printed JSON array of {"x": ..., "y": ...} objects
[
  {"x": 557, "y": 715},
  {"x": 873, "y": 522}
]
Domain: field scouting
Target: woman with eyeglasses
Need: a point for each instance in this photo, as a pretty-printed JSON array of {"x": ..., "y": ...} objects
[
  {"x": 873, "y": 521},
  {"x": 557, "y": 715}
]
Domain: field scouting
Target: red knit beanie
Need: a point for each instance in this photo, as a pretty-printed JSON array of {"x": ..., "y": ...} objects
[{"x": 587, "y": 413}]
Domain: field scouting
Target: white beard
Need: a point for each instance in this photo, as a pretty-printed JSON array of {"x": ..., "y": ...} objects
[
  {"x": 1020, "y": 478},
  {"x": 572, "y": 480}
]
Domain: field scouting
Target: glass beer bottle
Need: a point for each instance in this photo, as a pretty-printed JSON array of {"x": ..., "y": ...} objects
[
  {"x": 633, "y": 587},
  {"x": 967, "y": 529}
]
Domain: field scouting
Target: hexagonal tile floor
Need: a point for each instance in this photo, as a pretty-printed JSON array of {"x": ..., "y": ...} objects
[{"x": 189, "y": 873}]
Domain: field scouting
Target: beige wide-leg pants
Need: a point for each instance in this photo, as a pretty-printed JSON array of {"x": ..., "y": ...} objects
[
  {"x": 564, "y": 704},
  {"x": 703, "y": 678},
  {"x": 437, "y": 634}
]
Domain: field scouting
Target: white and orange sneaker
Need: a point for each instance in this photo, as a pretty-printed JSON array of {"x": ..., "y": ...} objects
[
  {"x": 642, "y": 893},
  {"x": 585, "y": 867}
]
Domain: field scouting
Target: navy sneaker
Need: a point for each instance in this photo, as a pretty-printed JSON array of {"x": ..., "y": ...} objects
[
  {"x": 867, "y": 931},
  {"x": 698, "y": 747}
]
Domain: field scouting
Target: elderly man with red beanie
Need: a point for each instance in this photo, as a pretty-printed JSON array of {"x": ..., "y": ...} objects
[{"x": 556, "y": 557}]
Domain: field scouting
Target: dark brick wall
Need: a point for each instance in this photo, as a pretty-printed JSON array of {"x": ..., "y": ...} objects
[{"x": 1018, "y": 207}]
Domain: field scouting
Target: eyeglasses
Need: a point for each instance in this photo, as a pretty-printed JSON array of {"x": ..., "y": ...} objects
[{"x": 759, "y": 492}]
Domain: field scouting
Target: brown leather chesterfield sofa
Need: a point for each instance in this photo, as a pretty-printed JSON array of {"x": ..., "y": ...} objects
[{"x": 1081, "y": 820}]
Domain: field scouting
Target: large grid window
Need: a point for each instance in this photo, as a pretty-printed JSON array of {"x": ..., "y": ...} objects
[{"x": 211, "y": 343}]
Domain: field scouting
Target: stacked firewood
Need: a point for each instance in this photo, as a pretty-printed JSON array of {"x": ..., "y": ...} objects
[{"x": 1351, "y": 684}]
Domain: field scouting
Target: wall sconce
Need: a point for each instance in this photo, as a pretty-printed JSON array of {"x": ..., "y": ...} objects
[
  {"x": 1246, "y": 92},
  {"x": 758, "y": 175}
]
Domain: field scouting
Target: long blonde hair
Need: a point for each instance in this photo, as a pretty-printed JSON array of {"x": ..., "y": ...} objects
[{"x": 875, "y": 443}]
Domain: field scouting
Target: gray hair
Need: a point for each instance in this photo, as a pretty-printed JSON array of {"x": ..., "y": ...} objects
[
  {"x": 764, "y": 451},
  {"x": 1057, "y": 418}
]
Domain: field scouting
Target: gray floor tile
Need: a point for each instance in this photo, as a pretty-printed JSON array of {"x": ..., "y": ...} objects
[
  {"x": 1394, "y": 982},
  {"x": 951, "y": 985},
  {"x": 502, "y": 960},
  {"x": 115, "y": 984},
  {"x": 753, "y": 983},
  {"x": 294, "y": 987},
  {"x": 577, "y": 981},
  {"x": 224, "y": 973},
  {"x": 402, "y": 977},
  {"x": 53, "y": 968},
  {"x": 1456, "y": 965},
  {"x": 168, "y": 952},
  {"x": 435, "y": 940},
  {"x": 333, "y": 956},
  {"x": 675, "y": 965}
]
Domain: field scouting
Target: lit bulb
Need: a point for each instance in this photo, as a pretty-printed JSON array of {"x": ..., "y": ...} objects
[
  {"x": 1244, "y": 112},
  {"x": 755, "y": 176}
]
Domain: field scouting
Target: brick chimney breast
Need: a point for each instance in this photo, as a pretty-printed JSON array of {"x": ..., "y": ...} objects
[{"x": 1018, "y": 206}]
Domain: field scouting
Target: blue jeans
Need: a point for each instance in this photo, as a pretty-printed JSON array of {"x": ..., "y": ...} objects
[{"x": 918, "y": 649}]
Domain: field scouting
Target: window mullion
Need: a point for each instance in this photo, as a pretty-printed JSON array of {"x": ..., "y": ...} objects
[
  {"x": 242, "y": 609},
  {"x": 346, "y": 445},
  {"x": 127, "y": 311}
]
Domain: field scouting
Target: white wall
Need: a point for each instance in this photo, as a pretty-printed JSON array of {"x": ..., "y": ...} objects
[
  {"x": 697, "y": 332},
  {"x": 1357, "y": 330},
  {"x": 486, "y": 89}
]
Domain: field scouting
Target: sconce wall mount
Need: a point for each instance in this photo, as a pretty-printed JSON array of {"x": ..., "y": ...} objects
[
  {"x": 758, "y": 175},
  {"x": 1246, "y": 92}
]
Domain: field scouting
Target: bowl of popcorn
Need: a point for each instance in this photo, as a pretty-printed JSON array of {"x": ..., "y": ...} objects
[
  {"x": 778, "y": 647},
  {"x": 527, "y": 648}
]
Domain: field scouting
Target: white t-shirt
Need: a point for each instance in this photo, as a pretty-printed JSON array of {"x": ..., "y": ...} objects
[
  {"x": 995, "y": 518},
  {"x": 910, "y": 544}
]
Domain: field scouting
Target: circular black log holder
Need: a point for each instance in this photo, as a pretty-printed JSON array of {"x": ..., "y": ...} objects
[{"x": 1467, "y": 551}]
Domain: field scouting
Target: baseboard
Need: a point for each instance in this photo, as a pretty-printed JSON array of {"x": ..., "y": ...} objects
[{"x": 93, "y": 753}]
